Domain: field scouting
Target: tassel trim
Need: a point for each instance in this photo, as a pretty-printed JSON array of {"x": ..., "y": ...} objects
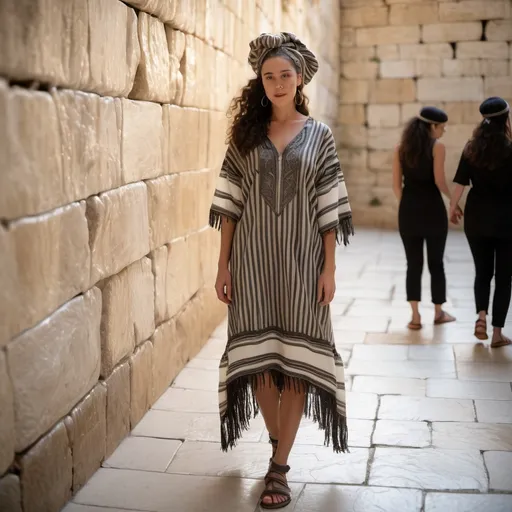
[
  {"x": 320, "y": 406},
  {"x": 344, "y": 230},
  {"x": 215, "y": 219}
]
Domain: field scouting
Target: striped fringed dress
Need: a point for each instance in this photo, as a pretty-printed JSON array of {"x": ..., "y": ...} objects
[{"x": 282, "y": 205}]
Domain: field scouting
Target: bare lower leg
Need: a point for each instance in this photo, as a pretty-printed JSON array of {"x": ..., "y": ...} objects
[
  {"x": 415, "y": 307},
  {"x": 441, "y": 315},
  {"x": 482, "y": 315},
  {"x": 498, "y": 339},
  {"x": 267, "y": 396},
  {"x": 290, "y": 414}
]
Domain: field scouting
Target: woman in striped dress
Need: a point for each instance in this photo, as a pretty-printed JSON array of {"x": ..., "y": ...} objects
[{"x": 281, "y": 204}]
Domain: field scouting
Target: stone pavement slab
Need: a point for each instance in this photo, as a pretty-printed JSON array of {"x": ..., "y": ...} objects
[{"x": 430, "y": 413}]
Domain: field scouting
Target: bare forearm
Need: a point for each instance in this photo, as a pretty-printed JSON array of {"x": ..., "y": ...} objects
[
  {"x": 398, "y": 193},
  {"x": 443, "y": 187},
  {"x": 226, "y": 241},
  {"x": 329, "y": 240},
  {"x": 457, "y": 194}
]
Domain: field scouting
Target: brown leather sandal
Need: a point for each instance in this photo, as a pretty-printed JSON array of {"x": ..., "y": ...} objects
[
  {"x": 481, "y": 329},
  {"x": 276, "y": 485}
]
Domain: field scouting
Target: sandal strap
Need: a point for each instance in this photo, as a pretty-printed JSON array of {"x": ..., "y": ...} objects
[
  {"x": 481, "y": 322},
  {"x": 278, "y": 468}
]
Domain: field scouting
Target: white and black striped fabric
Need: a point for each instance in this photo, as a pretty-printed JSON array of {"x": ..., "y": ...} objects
[
  {"x": 282, "y": 205},
  {"x": 298, "y": 51}
]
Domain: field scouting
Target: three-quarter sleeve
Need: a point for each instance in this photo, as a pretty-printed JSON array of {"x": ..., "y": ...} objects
[
  {"x": 462, "y": 176},
  {"x": 334, "y": 211},
  {"x": 228, "y": 199}
]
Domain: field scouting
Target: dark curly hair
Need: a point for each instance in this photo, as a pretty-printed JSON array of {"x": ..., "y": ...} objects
[
  {"x": 251, "y": 119},
  {"x": 490, "y": 144},
  {"x": 416, "y": 143}
]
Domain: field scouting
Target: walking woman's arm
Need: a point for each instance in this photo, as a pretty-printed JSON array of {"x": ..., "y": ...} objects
[
  {"x": 223, "y": 281},
  {"x": 439, "y": 157},
  {"x": 226, "y": 241},
  {"x": 397, "y": 175},
  {"x": 455, "y": 211},
  {"x": 327, "y": 280}
]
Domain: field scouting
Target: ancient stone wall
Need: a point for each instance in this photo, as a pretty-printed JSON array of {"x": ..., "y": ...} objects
[
  {"x": 112, "y": 130},
  {"x": 399, "y": 55}
]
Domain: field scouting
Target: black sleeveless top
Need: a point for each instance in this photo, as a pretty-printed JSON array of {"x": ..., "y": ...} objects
[{"x": 422, "y": 211}]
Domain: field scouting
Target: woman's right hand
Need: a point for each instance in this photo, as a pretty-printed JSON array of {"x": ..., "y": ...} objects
[
  {"x": 223, "y": 285},
  {"x": 456, "y": 214}
]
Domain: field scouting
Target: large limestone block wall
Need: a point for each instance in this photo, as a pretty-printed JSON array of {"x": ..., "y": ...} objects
[
  {"x": 112, "y": 132},
  {"x": 399, "y": 55}
]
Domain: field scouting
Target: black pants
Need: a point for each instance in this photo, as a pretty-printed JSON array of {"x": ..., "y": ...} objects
[
  {"x": 493, "y": 257},
  {"x": 413, "y": 246}
]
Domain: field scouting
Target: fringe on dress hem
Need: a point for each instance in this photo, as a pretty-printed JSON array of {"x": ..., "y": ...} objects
[{"x": 320, "y": 406}]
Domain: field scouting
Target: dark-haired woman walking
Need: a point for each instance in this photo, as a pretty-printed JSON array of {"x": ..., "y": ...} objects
[
  {"x": 486, "y": 164},
  {"x": 418, "y": 181},
  {"x": 281, "y": 204}
]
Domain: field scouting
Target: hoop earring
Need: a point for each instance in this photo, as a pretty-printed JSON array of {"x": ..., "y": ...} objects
[
  {"x": 301, "y": 96},
  {"x": 264, "y": 102}
]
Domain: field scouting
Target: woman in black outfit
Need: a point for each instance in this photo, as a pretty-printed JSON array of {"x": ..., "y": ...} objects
[
  {"x": 486, "y": 164},
  {"x": 418, "y": 180}
]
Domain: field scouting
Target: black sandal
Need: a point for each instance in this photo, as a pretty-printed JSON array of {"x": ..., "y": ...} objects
[{"x": 276, "y": 485}]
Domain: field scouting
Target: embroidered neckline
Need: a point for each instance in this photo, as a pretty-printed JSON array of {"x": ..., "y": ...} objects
[{"x": 268, "y": 144}]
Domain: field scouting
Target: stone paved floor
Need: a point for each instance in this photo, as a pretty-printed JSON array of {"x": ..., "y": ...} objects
[{"x": 430, "y": 414}]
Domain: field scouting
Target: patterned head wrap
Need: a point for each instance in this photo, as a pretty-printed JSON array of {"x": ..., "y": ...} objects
[{"x": 303, "y": 58}]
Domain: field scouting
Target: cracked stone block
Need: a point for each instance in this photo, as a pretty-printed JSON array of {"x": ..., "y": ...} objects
[
  {"x": 141, "y": 367},
  {"x": 182, "y": 154},
  {"x": 496, "y": 462},
  {"x": 450, "y": 89},
  {"x": 429, "y": 468},
  {"x": 176, "y": 42},
  {"x": 63, "y": 59},
  {"x": 163, "y": 9},
  {"x": 46, "y": 472},
  {"x": 128, "y": 316},
  {"x": 87, "y": 432},
  {"x": 310, "y": 463},
  {"x": 440, "y": 502},
  {"x": 10, "y": 493},
  {"x": 179, "y": 205},
  {"x": 169, "y": 357},
  {"x": 119, "y": 229},
  {"x": 142, "y": 139},
  {"x": 358, "y": 499},
  {"x": 388, "y": 35},
  {"x": 113, "y": 43},
  {"x": 91, "y": 147},
  {"x": 29, "y": 154},
  {"x": 45, "y": 263},
  {"x": 393, "y": 90},
  {"x": 448, "y": 32},
  {"x": 118, "y": 407},
  {"x": 7, "y": 433},
  {"x": 53, "y": 365},
  {"x": 469, "y": 10},
  {"x": 152, "y": 81}
]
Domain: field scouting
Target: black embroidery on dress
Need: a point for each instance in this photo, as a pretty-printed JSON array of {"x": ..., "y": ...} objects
[{"x": 269, "y": 173}]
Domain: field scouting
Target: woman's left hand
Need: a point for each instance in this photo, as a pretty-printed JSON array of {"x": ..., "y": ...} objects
[
  {"x": 326, "y": 288},
  {"x": 456, "y": 214}
]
